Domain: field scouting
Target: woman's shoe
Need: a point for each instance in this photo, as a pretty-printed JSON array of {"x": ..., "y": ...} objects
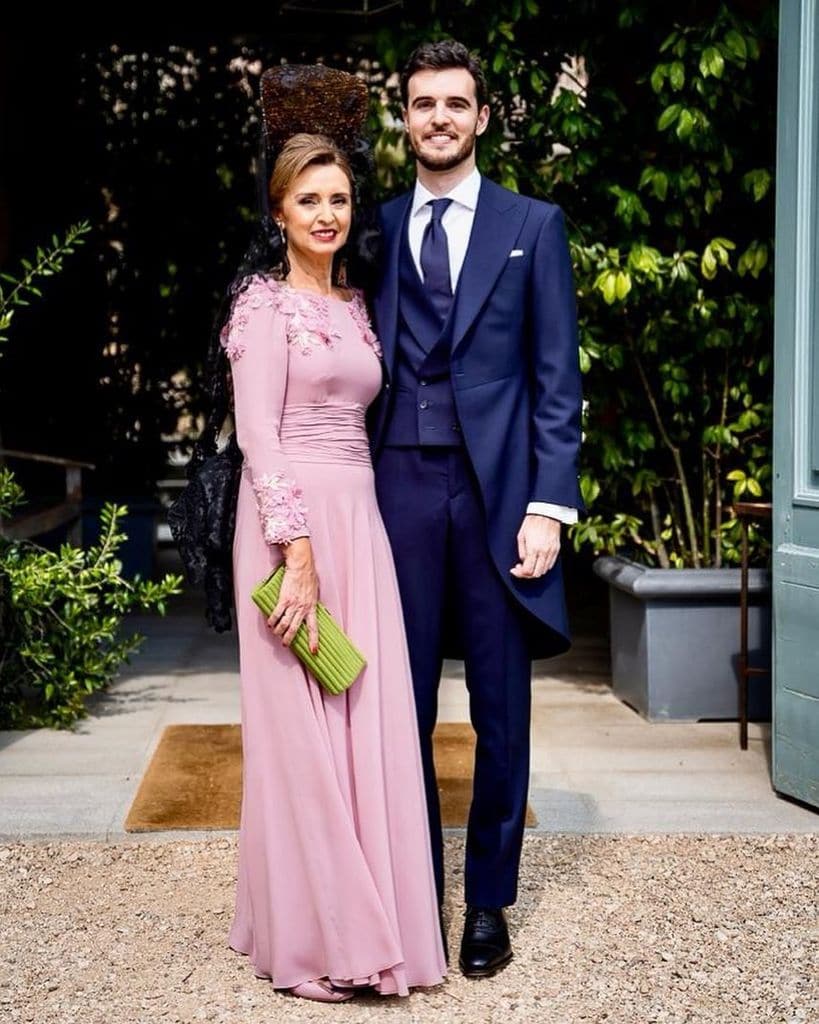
[{"x": 320, "y": 990}]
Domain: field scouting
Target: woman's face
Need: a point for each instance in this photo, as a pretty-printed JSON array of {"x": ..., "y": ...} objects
[{"x": 316, "y": 210}]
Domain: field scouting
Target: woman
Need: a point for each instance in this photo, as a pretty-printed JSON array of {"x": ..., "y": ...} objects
[{"x": 335, "y": 882}]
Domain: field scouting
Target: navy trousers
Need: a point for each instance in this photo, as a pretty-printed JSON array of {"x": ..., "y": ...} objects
[{"x": 433, "y": 513}]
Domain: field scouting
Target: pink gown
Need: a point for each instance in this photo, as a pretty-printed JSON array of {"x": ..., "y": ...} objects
[{"x": 335, "y": 874}]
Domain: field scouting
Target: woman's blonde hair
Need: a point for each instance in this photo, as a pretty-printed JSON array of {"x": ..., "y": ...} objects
[{"x": 301, "y": 151}]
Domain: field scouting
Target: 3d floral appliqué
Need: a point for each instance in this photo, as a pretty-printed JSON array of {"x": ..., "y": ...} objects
[
  {"x": 232, "y": 336},
  {"x": 309, "y": 324},
  {"x": 283, "y": 513},
  {"x": 308, "y": 319},
  {"x": 358, "y": 311}
]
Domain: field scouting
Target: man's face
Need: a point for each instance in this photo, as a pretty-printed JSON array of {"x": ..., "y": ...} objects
[{"x": 442, "y": 117}]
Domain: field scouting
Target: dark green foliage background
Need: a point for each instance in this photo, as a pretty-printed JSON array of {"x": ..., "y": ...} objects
[{"x": 662, "y": 161}]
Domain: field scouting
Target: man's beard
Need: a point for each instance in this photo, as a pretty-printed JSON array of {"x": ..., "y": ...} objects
[{"x": 446, "y": 163}]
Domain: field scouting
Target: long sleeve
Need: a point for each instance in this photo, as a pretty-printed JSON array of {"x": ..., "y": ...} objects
[
  {"x": 255, "y": 339},
  {"x": 558, "y": 388}
]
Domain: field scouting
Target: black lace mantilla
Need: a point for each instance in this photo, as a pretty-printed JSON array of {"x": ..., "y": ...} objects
[
  {"x": 202, "y": 521},
  {"x": 203, "y": 518}
]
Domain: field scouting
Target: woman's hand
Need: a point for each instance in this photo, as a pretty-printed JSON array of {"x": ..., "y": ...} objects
[{"x": 298, "y": 596}]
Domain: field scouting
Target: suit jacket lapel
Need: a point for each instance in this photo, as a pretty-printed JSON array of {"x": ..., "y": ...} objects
[
  {"x": 498, "y": 220},
  {"x": 386, "y": 298}
]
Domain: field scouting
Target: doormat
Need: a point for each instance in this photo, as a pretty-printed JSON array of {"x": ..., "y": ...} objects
[{"x": 194, "y": 779}]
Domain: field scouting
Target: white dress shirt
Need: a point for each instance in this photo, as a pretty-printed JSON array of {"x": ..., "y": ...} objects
[{"x": 457, "y": 223}]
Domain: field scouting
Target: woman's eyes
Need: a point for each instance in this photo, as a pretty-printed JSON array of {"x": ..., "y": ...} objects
[{"x": 336, "y": 201}]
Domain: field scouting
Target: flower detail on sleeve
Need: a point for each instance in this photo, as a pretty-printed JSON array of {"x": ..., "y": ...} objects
[
  {"x": 358, "y": 311},
  {"x": 256, "y": 294},
  {"x": 284, "y": 514}
]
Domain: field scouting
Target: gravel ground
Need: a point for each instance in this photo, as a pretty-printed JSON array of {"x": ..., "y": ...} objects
[{"x": 606, "y": 928}]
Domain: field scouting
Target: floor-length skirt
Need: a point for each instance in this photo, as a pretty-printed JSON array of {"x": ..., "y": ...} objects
[{"x": 335, "y": 874}]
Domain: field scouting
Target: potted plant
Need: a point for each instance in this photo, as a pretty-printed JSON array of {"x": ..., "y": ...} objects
[
  {"x": 660, "y": 151},
  {"x": 676, "y": 320}
]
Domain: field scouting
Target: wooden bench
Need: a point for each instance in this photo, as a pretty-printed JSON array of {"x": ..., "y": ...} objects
[{"x": 31, "y": 524}]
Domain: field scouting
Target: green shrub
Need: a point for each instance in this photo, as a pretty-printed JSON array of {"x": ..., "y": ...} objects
[
  {"x": 60, "y": 623},
  {"x": 61, "y": 612}
]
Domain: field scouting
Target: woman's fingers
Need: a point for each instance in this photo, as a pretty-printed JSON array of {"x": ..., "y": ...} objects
[
  {"x": 288, "y": 622},
  {"x": 277, "y": 612},
  {"x": 292, "y": 627},
  {"x": 283, "y": 616},
  {"x": 312, "y": 630},
  {"x": 297, "y": 603}
]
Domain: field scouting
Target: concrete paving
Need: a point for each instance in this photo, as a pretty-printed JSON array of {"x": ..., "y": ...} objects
[{"x": 597, "y": 766}]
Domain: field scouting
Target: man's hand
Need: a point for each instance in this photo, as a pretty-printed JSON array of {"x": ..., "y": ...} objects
[{"x": 538, "y": 546}]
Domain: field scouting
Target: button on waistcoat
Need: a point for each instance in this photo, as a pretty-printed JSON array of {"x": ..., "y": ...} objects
[{"x": 424, "y": 406}]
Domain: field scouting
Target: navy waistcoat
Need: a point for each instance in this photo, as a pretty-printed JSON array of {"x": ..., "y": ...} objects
[{"x": 423, "y": 410}]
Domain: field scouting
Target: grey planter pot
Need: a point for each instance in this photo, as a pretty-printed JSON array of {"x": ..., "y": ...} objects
[{"x": 675, "y": 640}]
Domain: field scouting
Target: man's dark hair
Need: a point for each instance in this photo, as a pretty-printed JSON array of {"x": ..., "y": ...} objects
[{"x": 446, "y": 53}]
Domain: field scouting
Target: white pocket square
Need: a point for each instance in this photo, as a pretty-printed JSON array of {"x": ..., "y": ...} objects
[{"x": 515, "y": 252}]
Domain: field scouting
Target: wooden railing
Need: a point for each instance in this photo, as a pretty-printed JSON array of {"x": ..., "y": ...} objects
[{"x": 31, "y": 524}]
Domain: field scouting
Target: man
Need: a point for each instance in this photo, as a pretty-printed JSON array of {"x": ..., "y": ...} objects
[{"x": 475, "y": 440}]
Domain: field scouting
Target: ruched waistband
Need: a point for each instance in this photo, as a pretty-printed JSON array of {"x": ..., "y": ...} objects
[{"x": 325, "y": 432}]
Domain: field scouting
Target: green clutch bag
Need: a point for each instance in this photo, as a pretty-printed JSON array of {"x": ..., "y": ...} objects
[{"x": 338, "y": 662}]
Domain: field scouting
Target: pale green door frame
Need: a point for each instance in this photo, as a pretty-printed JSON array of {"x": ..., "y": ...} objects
[{"x": 796, "y": 409}]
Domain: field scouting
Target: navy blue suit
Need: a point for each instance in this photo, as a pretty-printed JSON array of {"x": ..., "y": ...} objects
[{"x": 478, "y": 417}]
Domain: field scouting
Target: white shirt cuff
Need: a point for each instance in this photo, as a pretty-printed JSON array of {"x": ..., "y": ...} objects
[{"x": 546, "y": 508}]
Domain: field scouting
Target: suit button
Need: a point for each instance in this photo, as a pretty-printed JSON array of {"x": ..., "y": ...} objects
[
  {"x": 456, "y": 428},
  {"x": 423, "y": 383},
  {"x": 423, "y": 405},
  {"x": 386, "y": 387}
]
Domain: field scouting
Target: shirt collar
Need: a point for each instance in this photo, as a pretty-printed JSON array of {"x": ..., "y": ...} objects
[{"x": 465, "y": 192}]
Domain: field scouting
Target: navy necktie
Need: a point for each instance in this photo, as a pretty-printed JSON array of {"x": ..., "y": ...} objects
[{"x": 435, "y": 259}]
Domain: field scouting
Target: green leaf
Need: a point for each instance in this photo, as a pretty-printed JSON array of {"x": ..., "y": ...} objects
[
  {"x": 758, "y": 182},
  {"x": 736, "y": 44},
  {"x": 669, "y": 116},
  {"x": 685, "y": 124},
  {"x": 711, "y": 62},
  {"x": 711, "y": 199},
  {"x": 658, "y": 77},
  {"x": 622, "y": 284},
  {"x": 606, "y": 284},
  {"x": 676, "y": 75},
  {"x": 668, "y": 41},
  {"x": 708, "y": 263},
  {"x": 589, "y": 489}
]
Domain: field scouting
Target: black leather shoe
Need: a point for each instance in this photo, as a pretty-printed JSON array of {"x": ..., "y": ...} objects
[{"x": 485, "y": 946}]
